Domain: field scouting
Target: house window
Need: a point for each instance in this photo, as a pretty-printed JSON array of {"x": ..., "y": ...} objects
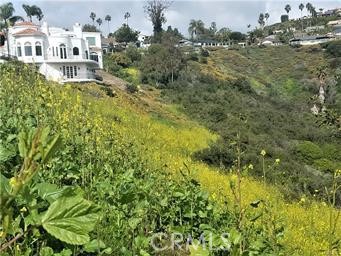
[
  {"x": 28, "y": 49},
  {"x": 69, "y": 71},
  {"x": 62, "y": 50},
  {"x": 94, "y": 56},
  {"x": 19, "y": 53},
  {"x": 86, "y": 54},
  {"x": 91, "y": 40},
  {"x": 75, "y": 51},
  {"x": 38, "y": 49}
]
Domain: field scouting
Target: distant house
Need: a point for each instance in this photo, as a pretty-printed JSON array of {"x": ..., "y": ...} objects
[
  {"x": 270, "y": 41},
  {"x": 328, "y": 13},
  {"x": 276, "y": 32},
  {"x": 314, "y": 29},
  {"x": 185, "y": 42},
  {"x": 210, "y": 43},
  {"x": 337, "y": 32},
  {"x": 311, "y": 40},
  {"x": 334, "y": 23},
  {"x": 143, "y": 41}
]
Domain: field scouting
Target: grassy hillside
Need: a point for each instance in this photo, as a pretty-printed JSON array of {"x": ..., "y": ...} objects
[
  {"x": 133, "y": 157},
  {"x": 266, "y": 96}
]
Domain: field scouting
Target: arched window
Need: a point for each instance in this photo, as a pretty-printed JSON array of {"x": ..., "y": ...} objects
[
  {"x": 39, "y": 51},
  {"x": 75, "y": 51},
  {"x": 28, "y": 49},
  {"x": 19, "y": 53},
  {"x": 62, "y": 49},
  {"x": 94, "y": 56}
]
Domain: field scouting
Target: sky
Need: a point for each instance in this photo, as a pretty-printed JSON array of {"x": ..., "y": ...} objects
[{"x": 235, "y": 15}]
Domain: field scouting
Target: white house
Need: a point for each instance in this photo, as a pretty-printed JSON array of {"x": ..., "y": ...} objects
[
  {"x": 271, "y": 41},
  {"x": 59, "y": 54},
  {"x": 311, "y": 40}
]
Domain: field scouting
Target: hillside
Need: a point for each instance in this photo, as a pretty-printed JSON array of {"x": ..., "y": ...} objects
[
  {"x": 142, "y": 159},
  {"x": 266, "y": 96}
]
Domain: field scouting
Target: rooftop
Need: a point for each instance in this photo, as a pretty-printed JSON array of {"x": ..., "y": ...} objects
[{"x": 28, "y": 31}]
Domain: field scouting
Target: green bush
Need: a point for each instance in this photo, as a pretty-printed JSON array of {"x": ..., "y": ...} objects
[
  {"x": 334, "y": 48},
  {"x": 133, "y": 53},
  {"x": 309, "y": 151},
  {"x": 325, "y": 165}
]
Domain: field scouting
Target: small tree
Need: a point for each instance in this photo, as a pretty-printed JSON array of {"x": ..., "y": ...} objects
[
  {"x": 284, "y": 18},
  {"x": 89, "y": 28},
  {"x": 125, "y": 34}
]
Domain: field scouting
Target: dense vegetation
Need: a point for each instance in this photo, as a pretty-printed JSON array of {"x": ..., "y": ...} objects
[
  {"x": 127, "y": 166},
  {"x": 269, "y": 105}
]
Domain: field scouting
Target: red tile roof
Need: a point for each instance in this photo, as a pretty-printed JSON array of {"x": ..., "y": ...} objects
[
  {"x": 28, "y": 31},
  {"x": 25, "y": 23}
]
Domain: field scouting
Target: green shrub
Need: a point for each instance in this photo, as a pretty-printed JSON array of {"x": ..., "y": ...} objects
[
  {"x": 132, "y": 88},
  {"x": 133, "y": 53},
  {"x": 203, "y": 60},
  {"x": 325, "y": 165},
  {"x": 334, "y": 48},
  {"x": 309, "y": 151}
]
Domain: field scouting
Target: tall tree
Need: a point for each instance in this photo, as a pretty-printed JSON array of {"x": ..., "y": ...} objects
[
  {"x": 99, "y": 22},
  {"x": 33, "y": 10},
  {"x": 309, "y": 6},
  {"x": 287, "y": 8},
  {"x": 261, "y": 20},
  {"x": 156, "y": 9},
  {"x": 301, "y": 7},
  {"x": 39, "y": 14},
  {"x": 266, "y": 16},
  {"x": 108, "y": 19},
  {"x": 126, "y": 17},
  {"x": 93, "y": 17},
  {"x": 196, "y": 27},
  {"x": 29, "y": 11},
  {"x": 8, "y": 19}
]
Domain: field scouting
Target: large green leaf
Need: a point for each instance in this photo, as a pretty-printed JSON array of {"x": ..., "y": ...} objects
[
  {"x": 5, "y": 187},
  {"x": 70, "y": 219}
]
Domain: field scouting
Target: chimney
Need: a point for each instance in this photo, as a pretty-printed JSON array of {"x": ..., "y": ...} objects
[
  {"x": 77, "y": 29},
  {"x": 45, "y": 28}
]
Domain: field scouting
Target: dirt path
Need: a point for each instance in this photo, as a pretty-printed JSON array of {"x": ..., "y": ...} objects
[{"x": 111, "y": 80}]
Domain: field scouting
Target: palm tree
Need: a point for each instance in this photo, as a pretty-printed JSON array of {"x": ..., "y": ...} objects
[
  {"x": 301, "y": 7},
  {"x": 261, "y": 21},
  {"x": 126, "y": 17},
  {"x": 309, "y": 6},
  {"x": 33, "y": 10},
  {"x": 7, "y": 18},
  {"x": 196, "y": 27},
  {"x": 39, "y": 14},
  {"x": 266, "y": 16},
  {"x": 287, "y": 8},
  {"x": 108, "y": 19},
  {"x": 99, "y": 22},
  {"x": 93, "y": 17},
  {"x": 29, "y": 11}
]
